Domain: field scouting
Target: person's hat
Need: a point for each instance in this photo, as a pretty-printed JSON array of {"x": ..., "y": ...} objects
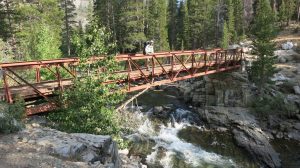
[{"x": 151, "y": 41}]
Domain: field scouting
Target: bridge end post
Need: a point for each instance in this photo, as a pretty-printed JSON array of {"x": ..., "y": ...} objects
[{"x": 6, "y": 88}]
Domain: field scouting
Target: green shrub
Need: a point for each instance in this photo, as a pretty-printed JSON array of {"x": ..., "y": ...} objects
[
  {"x": 11, "y": 116},
  {"x": 89, "y": 105},
  {"x": 267, "y": 105}
]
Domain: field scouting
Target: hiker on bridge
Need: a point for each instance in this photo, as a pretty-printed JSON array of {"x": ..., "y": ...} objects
[{"x": 148, "y": 49}]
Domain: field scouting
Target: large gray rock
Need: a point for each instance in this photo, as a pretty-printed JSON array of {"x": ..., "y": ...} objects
[
  {"x": 228, "y": 90},
  {"x": 247, "y": 133},
  {"x": 256, "y": 142},
  {"x": 297, "y": 90},
  {"x": 78, "y": 146}
]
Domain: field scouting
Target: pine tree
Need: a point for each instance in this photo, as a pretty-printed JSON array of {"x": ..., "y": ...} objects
[
  {"x": 156, "y": 28},
  {"x": 69, "y": 22},
  {"x": 201, "y": 22},
  {"x": 7, "y": 15},
  {"x": 172, "y": 12},
  {"x": 131, "y": 26},
  {"x": 186, "y": 31},
  {"x": 282, "y": 15},
  {"x": 231, "y": 21},
  {"x": 107, "y": 12},
  {"x": 3, "y": 23},
  {"x": 290, "y": 9},
  {"x": 180, "y": 24},
  {"x": 40, "y": 29},
  {"x": 263, "y": 30},
  {"x": 225, "y": 37},
  {"x": 238, "y": 18}
]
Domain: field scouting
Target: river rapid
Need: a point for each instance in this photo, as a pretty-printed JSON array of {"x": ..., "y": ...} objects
[{"x": 171, "y": 135}]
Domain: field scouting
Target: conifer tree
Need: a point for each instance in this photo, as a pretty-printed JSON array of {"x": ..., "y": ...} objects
[
  {"x": 264, "y": 30},
  {"x": 180, "y": 24},
  {"x": 231, "y": 21},
  {"x": 172, "y": 13},
  {"x": 282, "y": 15},
  {"x": 238, "y": 18},
  {"x": 131, "y": 26},
  {"x": 186, "y": 31},
  {"x": 201, "y": 22},
  {"x": 69, "y": 20},
  {"x": 40, "y": 29},
  {"x": 291, "y": 6},
  {"x": 7, "y": 14},
  {"x": 157, "y": 24},
  {"x": 225, "y": 37},
  {"x": 107, "y": 12}
]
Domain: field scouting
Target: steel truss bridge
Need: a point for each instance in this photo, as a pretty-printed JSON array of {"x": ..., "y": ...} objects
[{"x": 26, "y": 79}]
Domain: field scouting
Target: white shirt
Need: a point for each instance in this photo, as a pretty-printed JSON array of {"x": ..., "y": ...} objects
[{"x": 149, "y": 49}]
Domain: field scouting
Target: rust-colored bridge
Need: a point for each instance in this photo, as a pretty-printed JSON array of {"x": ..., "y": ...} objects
[{"x": 28, "y": 80}]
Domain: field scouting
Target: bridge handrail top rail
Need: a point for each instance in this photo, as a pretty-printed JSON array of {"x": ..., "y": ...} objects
[{"x": 120, "y": 57}]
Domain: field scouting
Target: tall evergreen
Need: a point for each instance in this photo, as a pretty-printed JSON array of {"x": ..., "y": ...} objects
[
  {"x": 201, "y": 16},
  {"x": 7, "y": 15},
  {"x": 68, "y": 8},
  {"x": 238, "y": 7},
  {"x": 186, "y": 31},
  {"x": 264, "y": 30},
  {"x": 291, "y": 6},
  {"x": 107, "y": 13},
  {"x": 40, "y": 27},
  {"x": 231, "y": 21},
  {"x": 283, "y": 14},
  {"x": 131, "y": 26},
  {"x": 225, "y": 36},
  {"x": 172, "y": 12},
  {"x": 181, "y": 26},
  {"x": 156, "y": 28}
]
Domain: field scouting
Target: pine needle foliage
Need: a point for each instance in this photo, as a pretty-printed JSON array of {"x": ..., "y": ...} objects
[
  {"x": 263, "y": 30},
  {"x": 225, "y": 37}
]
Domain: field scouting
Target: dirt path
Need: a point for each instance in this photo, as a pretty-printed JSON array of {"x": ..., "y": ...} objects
[{"x": 279, "y": 39}]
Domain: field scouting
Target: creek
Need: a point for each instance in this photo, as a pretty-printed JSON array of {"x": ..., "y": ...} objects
[{"x": 171, "y": 135}]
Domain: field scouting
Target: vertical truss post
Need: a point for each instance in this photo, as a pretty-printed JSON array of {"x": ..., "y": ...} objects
[
  {"x": 205, "y": 62},
  {"x": 234, "y": 57},
  {"x": 218, "y": 56},
  {"x": 38, "y": 75},
  {"x": 6, "y": 89},
  {"x": 193, "y": 63},
  {"x": 205, "y": 59},
  {"x": 242, "y": 55},
  {"x": 129, "y": 72},
  {"x": 153, "y": 69},
  {"x": 73, "y": 70},
  {"x": 172, "y": 66},
  {"x": 60, "y": 86},
  {"x": 225, "y": 59}
]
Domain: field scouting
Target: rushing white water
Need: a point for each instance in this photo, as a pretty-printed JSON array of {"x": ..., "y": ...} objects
[{"x": 168, "y": 143}]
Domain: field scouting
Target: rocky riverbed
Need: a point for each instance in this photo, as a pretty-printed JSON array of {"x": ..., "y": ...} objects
[{"x": 223, "y": 103}]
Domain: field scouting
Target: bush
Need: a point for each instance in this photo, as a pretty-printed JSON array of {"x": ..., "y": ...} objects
[
  {"x": 11, "y": 116},
  {"x": 267, "y": 105},
  {"x": 89, "y": 105}
]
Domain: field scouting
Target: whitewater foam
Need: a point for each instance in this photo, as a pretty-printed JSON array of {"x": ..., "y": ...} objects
[{"x": 168, "y": 140}]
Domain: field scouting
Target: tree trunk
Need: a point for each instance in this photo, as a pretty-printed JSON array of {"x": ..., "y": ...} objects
[
  {"x": 67, "y": 29},
  {"x": 298, "y": 11}
]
